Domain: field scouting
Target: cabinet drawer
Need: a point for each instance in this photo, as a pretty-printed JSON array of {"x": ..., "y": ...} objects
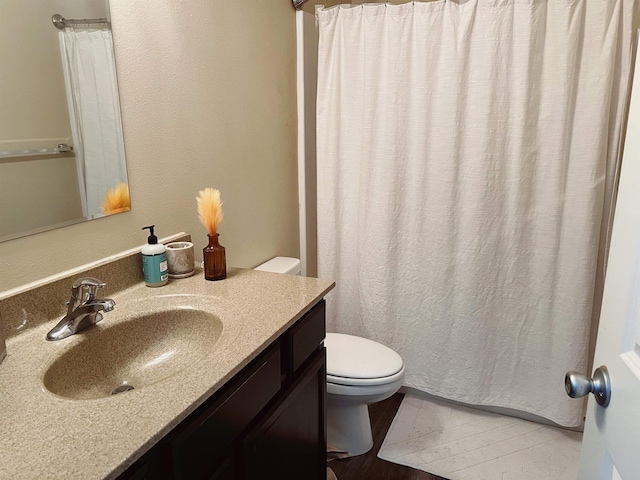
[
  {"x": 198, "y": 449},
  {"x": 304, "y": 338}
]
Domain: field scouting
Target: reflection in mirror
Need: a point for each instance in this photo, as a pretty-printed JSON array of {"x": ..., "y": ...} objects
[{"x": 62, "y": 155}]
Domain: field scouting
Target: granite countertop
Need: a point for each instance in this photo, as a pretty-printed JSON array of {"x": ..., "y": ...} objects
[{"x": 43, "y": 435}]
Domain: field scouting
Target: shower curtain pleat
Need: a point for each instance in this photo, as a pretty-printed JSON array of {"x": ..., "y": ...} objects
[
  {"x": 94, "y": 110},
  {"x": 464, "y": 154}
]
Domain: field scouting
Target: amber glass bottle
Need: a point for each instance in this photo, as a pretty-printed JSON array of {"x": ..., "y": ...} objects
[{"x": 215, "y": 261}]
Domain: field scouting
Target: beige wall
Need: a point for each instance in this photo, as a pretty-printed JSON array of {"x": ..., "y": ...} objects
[{"x": 208, "y": 99}]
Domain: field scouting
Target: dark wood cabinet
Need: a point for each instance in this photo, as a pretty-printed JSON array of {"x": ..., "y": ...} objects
[
  {"x": 206, "y": 438},
  {"x": 284, "y": 445},
  {"x": 267, "y": 422}
]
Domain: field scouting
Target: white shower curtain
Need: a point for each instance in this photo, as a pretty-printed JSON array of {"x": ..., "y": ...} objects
[
  {"x": 94, "y": 109},
  {"x": 466, "y": 156}
]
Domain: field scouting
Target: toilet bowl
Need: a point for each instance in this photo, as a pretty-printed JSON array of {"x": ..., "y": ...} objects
[{"x": 359, "y": 372}]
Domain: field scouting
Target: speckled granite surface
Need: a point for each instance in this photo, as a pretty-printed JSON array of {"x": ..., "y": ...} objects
[
  {"x": 31, "y": 305},
  {"x": 44, "y": 435}
]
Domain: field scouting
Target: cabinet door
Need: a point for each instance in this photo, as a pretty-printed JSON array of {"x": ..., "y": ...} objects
[
  {"x": 206, "y": 439},
  {"x": 290, "y": 441},
  {"x": 224, "y": 472}
]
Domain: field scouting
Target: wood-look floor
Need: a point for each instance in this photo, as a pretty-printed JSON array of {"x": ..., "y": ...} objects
[{"x": 369, "y": 466}]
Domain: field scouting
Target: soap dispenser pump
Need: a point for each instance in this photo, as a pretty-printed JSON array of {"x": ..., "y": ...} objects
[{"x": 154, "y": 261}]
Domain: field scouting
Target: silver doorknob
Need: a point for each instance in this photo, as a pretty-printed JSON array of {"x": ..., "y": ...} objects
[{"x": 578, "y": 385}]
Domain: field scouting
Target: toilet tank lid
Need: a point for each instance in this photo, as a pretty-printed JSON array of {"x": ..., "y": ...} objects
[
  {"x": 356, "y": 357},
  {"x": 281, "y": 265}
]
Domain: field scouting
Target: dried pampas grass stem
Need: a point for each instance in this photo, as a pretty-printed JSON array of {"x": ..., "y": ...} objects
[
  {"x": 210, "y": 209},
  {"x": 117, "y": 200}
]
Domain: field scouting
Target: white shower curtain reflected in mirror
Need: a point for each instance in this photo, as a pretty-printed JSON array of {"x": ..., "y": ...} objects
[
  {"x": 94, "y": 110},
  {"x": 466, "y": 162}
]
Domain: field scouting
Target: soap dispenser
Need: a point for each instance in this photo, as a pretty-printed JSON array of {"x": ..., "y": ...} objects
[{"x": 154, "y": 261}]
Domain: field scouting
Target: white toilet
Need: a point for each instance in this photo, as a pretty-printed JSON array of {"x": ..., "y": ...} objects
[{"x": 359, "y": 372}]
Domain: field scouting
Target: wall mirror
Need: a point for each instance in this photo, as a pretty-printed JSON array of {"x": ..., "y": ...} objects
[{"x": 62, "y": 155}]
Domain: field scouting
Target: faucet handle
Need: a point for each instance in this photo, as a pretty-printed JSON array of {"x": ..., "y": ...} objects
[
  {"x": 90, "y": 282},
  {"x": 86, "y": 287}
]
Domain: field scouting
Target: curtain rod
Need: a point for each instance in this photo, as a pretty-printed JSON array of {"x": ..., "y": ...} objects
[
  {"x": 298, "y": 4},
  {"x": 61, "y": 23}
]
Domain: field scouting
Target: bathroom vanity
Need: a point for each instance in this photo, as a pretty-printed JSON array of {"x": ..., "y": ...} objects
[
  {"x": 228, "y": 377},
  {"x": 267, "y": 422}
]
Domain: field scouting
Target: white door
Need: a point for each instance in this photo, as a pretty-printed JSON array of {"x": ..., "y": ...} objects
[{"x": 611, "y": 444}]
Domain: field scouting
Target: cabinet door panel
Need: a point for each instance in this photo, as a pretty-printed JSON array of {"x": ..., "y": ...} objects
[
  {"x": 223, "y": 472},
  {"x": 290, "y": 442},
  {"x": 197, "y": 450}
]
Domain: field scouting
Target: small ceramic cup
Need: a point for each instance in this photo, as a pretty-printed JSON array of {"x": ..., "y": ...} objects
[{"x": 180, "y": 259}]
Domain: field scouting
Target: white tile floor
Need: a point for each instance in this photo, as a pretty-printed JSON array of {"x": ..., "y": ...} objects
[{"x": 461, "y": 443}]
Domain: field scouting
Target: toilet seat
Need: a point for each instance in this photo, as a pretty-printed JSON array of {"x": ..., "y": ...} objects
[
  {"x": 357, "y": 361},
  {"x": 357, "y": 382}
]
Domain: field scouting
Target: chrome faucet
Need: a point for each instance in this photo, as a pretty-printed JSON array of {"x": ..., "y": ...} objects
[{"x": 83, "y": 309}]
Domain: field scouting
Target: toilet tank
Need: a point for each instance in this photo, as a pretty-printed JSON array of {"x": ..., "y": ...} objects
[{"x": 287, "y": 265}]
